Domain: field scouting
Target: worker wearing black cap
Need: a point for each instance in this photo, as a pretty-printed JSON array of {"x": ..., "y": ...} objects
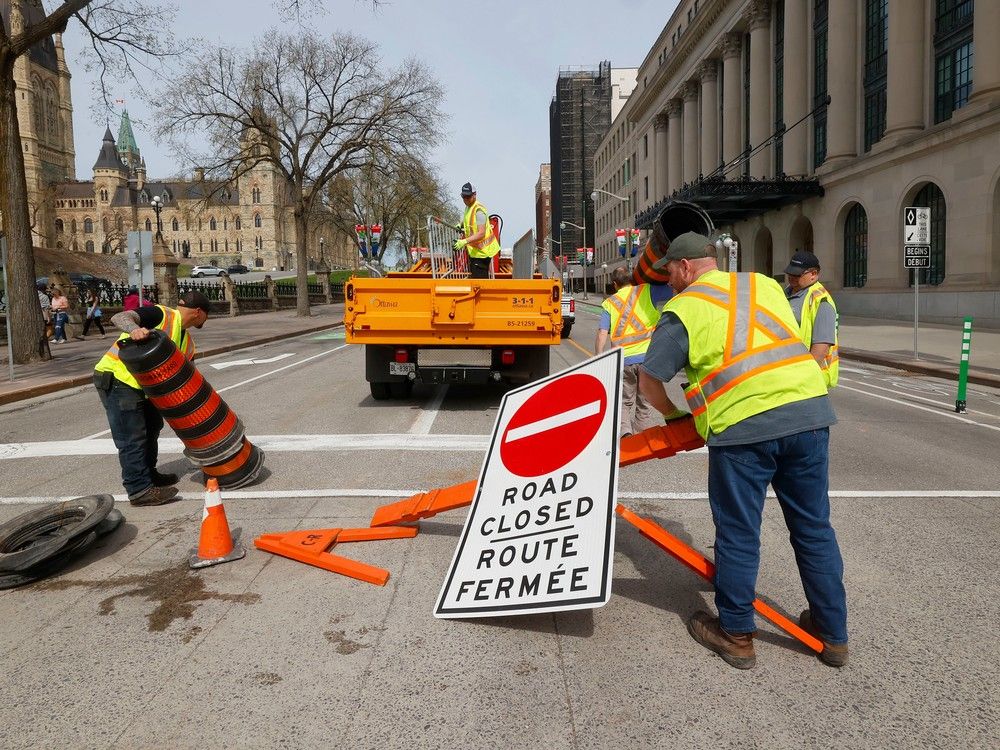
[
  {"x": 815, "y": 312},
  {"x": 477, "y": 234},
  {"x": 135, "y": 423}
]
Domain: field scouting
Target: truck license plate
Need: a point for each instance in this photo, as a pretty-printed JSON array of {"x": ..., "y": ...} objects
[
  {"x": 565, "y": 308},
  {"x": 402, "y": 368}
]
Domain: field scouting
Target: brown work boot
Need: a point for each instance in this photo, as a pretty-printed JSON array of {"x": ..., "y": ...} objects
[
  {"x": 155, "y": 496},
  {"x": 833, "y": 654},
  {"x": 162, "y": 480},
  {"x": 735, "y": 648}
]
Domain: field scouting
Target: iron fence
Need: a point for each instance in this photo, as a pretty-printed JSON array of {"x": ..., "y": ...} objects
[
  {"x": 113, "y": 295},
  {"x": 250, "y": 290},
  {"x": 285, "y": 288},
  {"x": 215, "y": 292}
]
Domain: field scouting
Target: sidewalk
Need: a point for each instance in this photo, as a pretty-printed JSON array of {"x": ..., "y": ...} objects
[
  {"x": 72, "y": 363},
  {"x": 890, "y": 343}
]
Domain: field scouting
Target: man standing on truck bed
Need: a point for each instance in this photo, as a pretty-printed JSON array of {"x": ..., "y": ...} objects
[{"x": 477, "y": 235}]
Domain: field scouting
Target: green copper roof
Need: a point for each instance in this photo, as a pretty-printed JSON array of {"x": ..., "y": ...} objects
[{"x": 126, "y": 140}]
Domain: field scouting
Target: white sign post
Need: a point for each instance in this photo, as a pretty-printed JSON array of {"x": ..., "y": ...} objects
[
  {"x": 540, "y": 534},
  {"x": 916, "y": 255},
  {"x": 140, "y": 257}
]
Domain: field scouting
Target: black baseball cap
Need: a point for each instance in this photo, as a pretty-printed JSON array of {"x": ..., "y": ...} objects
[
  {"x": 802, "y": 261},
  {"x": 196, "y": 300},
  {"x": 468, "y": 189}
]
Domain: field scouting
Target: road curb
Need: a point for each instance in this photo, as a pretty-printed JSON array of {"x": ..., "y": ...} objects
[
  {"x": 43, "y": 389},
  {"x": 945, "y": 372}
]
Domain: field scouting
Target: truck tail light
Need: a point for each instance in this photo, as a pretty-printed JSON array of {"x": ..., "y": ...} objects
[
  {"x": 572, "y": 305},
  {"x": 555, "y": 294},
  {"x": 350, "y": 292},
  {"x": 402, "y": 355},
  {"x": 507, "y": 357}
]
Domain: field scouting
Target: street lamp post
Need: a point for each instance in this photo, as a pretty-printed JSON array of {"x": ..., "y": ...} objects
[
  {"x": 583, "y": 267},
  {"x": 157, "y": 204},
  {"x": 623, "y": 199}
]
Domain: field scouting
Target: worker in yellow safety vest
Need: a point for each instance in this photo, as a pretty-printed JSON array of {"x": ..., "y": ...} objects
[
  {"x": 760, "y": 401},
  {"x": 816, "y": 313},
  {"x": 135, "y": 423},
  {"x": 477, "y": 234},
  {"x": 627, "y": 321}
]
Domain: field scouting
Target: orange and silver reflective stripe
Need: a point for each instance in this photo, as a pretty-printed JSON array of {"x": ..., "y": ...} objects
[{"x": 627, "y": 316}]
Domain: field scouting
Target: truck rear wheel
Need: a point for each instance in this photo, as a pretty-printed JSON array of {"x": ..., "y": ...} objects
[
  {"x": 567, "y": 327},
  {"x": 402, "y": 389},
  {"x": 380, "y": 390}
]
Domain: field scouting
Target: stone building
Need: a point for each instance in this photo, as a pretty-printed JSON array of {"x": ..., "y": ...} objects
[
  {"x": 543, "y": 206},
  {"x": 812, "y": 124},
  {"x": 44, "y": 112},
  {"x": 246, "y": 221}
]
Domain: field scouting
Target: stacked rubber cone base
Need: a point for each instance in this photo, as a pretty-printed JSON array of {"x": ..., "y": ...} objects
[
  {"x": 45, "y": 540},
  {"x": 213, "y": 436}
]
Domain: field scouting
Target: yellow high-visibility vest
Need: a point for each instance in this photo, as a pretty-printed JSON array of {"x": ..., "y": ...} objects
[
  {"x": 633, "y": 318},
  {"x": 488, "y": 246},
  {"x": 810, "y": 305},
  {"x": 171, "y": 325},
  {"x": 745, "y": 354}
]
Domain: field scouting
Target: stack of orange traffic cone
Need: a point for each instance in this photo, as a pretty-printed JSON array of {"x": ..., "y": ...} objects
[{"x": 215, "y": 545}]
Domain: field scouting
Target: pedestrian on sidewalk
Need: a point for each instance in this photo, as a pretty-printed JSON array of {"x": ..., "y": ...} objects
[
  {"x": 627, "y": 321},
  {"x": 760, "y": 402},
  {"x": 60, "y": 315},
  {"x": 94, "y": 314},
  {"x": 135, "y": 423},
  {"x": 815, "y": 312},
  {"x": 46, "y": 305}
]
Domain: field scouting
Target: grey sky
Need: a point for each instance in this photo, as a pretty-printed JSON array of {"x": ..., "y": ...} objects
[{"x": 497, "y": 62}]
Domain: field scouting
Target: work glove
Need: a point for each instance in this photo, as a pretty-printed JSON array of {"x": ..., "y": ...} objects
[
  {"x": 460, "y": 244},
  {"x": 676, "y": 414}
]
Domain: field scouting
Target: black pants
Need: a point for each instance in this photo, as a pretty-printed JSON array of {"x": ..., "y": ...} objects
[
  {"x": 479, "y": 268},
  {"x": 88, "y": 321}
]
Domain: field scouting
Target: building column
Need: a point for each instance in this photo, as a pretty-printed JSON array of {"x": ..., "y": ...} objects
[
  {"x": 758, "y": 18},
  {"x": 675, "y": 176},
  {"x": 796, "y": 88},
  {"x": 732, "y": 122},
  {"x": 708, "y": 72},
  {"x": 689, "y": 93},
  {"x": 842, "y": 62},
  {"x": 986, "y": 65},
  {"x": 661, "y": 180},
  {"x": 905, "y": 87}
]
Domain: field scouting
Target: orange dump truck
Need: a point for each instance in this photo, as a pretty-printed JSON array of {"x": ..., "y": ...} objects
[{"x": 433, "y": 324}]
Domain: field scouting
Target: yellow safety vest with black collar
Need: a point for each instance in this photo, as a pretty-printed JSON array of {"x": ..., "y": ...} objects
[
  {"x": 171, "y": 325},
  {"x": 810, "y": 306},
  {"x": 633, "y": 318},
  {"x": 488, "y": 246},
  {"x": 745, "y": 355}
]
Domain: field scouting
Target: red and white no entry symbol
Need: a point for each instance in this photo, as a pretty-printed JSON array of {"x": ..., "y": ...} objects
[{"x": 554, "y": 425}]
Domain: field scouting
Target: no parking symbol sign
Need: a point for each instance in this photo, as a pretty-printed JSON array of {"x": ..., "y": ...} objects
[{"x": 539, "y": 536}]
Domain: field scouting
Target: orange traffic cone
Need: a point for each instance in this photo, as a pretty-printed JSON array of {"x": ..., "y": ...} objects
[{"x": 215, "y": 545}]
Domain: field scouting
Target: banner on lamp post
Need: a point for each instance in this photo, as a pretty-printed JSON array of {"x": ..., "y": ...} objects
[
  {"x": 635, "y": 242},
  {"x": 590, "y": 256},
  {"x": 362, "y": 231},
  {"x": 376, "y": 235},
  {"x": 620, "y": 238}
]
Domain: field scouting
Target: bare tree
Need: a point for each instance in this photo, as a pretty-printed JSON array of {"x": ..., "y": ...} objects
[
  {"x": 397, "y": 193},
  {"x": 122, "y": 33},
  {"x": 310, "y": 107}
]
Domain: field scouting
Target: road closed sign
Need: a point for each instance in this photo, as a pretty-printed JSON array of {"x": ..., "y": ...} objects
[{"x": 539, "y": 536}]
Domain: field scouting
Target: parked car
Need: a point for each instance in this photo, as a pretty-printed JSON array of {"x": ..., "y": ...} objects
[
  {"x": 237, "y": 268},
  {"x": 78, "y": 279},
  {"x": 568, "y": 315},
  {"x": 199, "y": 271}
]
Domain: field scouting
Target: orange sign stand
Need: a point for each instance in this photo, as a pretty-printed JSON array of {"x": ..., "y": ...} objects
[
  {"x": 655, "y": 442},
  {"x": 706, "y": 569},
  {"x": 312, "y": 547}
]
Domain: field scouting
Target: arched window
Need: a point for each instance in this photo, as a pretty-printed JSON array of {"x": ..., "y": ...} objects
[
  {"x": 149, "y": 225},
  {"x": 237, "y": 222},
  {"x": 856, "y": 247},
  {"x": 225, "y": 223},
  {"x": 88, "y": 226},
  {"x": 104, "y": 196},
  {"x": 175, "y": 225},
  {"x": 256, "y": 221},
  {"x": 119, "y": 224},
  {"x": 90, "y": 246},
  {"x": 930, "y": 196},
  {"x": 143, "y": 197},
  {"x": 38, "y": 108},
  {"x": 72, "y": 226},
  {"x": 105, "y": 224},
  {"x": 255, "y": 193},
  {"x": 52, "y": 117},
  {"x": 211, "y": 224},
  {"x": 60, "y": 227}
]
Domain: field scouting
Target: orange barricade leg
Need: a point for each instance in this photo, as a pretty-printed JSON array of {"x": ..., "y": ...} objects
[
  {"x": 706, "y": 569},
  {"x": 655, "y": 442},
  {"x": 312, "y": 547}
]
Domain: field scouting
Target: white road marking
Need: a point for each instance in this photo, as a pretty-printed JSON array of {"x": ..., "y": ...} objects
[
  {"x": 240, "y": 362},
  {"x": 551, "y": 423},
  {"x": 338, "y": 492},
  {"x": 938, "y": 412},
  {"x": 907, "y": 394},
  {"x": 423, "y": 423}
]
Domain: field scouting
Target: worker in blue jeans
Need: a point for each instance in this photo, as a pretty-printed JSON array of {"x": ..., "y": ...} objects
[{"x": 759, "y": 400}]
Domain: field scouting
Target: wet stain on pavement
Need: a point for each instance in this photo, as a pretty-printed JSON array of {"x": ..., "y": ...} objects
[
  {"x": 344, "y": 644},
  {"x": 176, "y": 590},
  {"x": 268, "y": 678}
]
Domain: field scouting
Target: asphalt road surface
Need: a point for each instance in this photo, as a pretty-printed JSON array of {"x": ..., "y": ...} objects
[{"x": 129, "y": 648}]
